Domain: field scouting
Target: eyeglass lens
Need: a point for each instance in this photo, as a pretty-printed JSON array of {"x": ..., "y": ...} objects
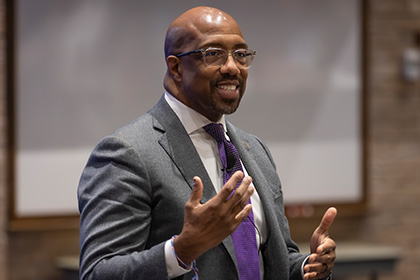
[{"x": 217, "y": 57}]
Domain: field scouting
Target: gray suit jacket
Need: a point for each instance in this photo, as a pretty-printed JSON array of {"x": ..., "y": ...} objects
[{"x": 132, "y": 195}]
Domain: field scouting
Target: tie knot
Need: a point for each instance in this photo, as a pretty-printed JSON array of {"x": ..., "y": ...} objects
[{"x": 216, "y": 131}]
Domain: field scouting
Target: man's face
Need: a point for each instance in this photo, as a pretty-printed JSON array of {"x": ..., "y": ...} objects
[{"x": 211, "y": 90}]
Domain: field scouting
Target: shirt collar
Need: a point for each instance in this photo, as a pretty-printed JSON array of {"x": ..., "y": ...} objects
[{"x": 191, "y": 119}]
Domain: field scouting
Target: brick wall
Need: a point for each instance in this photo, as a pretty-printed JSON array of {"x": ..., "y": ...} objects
[
  {"x": 393, "y": 144},
  {"x": 394, "y": 134}
]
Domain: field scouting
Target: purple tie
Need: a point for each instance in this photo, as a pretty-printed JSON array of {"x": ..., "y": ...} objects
[{"x": 244, "y": 238}]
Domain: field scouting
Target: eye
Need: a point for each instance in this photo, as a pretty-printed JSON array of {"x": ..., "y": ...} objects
[
  {"x": 242, "y": 53},
  {"x": 214, "y": 53}
]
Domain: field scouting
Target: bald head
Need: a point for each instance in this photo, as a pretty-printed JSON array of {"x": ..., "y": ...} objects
[
  {"x": 194, "y": 24},
  {"x": 211, "y": 90}
]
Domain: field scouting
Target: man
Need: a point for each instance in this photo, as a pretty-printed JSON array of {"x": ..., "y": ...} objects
[{"x": 152, "y": 199}]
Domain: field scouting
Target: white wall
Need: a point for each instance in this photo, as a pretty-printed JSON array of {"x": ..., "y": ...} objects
[{"x": 87, "y": 67}]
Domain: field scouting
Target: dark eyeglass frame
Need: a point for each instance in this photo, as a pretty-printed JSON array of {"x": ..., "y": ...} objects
[{"x": 203, "y": 52}]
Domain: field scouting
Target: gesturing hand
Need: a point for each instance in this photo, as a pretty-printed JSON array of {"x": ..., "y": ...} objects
[
  {"x": 206, "y": 225},
  {"x": 321, "y": 260}
]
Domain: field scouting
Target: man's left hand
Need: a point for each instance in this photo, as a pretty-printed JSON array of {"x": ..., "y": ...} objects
[{"x": 321, "y": 260}]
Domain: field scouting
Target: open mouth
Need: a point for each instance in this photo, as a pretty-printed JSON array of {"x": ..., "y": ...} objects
[
  {"x": 228, "y": 87},
  {"x": 228, "y": 91}
]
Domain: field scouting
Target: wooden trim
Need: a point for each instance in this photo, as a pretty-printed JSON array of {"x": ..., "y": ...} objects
[
  {"x": 10, "y": 101},
  {"x": 70, "y": 222},
  {"x": 364, "y": 68},
  {"x": 16, "y": 223}
]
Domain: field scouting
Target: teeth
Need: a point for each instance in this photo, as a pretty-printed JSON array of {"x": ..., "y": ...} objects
[{"x": 227, "y": 87}]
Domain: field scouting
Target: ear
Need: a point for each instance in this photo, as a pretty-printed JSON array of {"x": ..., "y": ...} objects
[{"x": 174, "y": 67}]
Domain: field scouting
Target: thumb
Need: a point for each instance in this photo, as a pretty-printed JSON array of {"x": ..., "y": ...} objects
[
  {"x": 326, "y": 221},
  {"x": 321, "y": 232},
  {"x": 197, "y": 191}
]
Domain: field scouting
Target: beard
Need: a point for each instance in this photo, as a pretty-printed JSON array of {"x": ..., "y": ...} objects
[{"x": 226, "y": 106}]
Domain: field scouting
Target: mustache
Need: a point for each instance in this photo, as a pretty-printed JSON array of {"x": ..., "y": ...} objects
[{"x": 228, "y": 78}]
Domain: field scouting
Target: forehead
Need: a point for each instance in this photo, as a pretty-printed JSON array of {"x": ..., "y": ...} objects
[
  {"x": 227, "y": 41},
  {"x": 223, "y": 33}
]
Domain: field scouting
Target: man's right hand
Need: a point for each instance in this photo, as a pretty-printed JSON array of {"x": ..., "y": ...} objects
[{"x": 206, "y": 225}]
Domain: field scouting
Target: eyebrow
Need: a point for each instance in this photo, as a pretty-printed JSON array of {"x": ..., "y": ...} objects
[{"x": 218, "y": 45}]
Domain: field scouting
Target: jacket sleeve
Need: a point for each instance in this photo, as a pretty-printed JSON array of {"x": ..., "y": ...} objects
[{"x": 115, "y": 205}]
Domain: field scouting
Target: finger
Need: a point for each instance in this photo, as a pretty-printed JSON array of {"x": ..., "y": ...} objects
[
  {"x": 243, "y": 213},
  {"x": 230, "y": 185},
  {"x": 328, "y": 258},
  {"x": 315, "y": 267},
  {"x": 319, "y": 269},
  {"x": 244, "y": 191},
  {"x": 326, "y": 221},
  {"x": 240, "y": 197},
  {"x": 309, "y": 276},
  {"x": 247, "y": 195},
  {"x": 197, "y": 191},
  {"x": 327, "y": 247}
]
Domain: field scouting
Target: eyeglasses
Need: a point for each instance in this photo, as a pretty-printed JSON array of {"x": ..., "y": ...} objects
[{"x": 217, "y": 57}]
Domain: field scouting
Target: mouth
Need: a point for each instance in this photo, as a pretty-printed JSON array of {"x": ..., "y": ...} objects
[
  {"x": 229, "y": 90},
  {"x": 227, "y": 87}
]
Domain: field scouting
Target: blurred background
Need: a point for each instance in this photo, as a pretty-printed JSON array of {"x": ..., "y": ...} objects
[{"x": 342, "y": 79}]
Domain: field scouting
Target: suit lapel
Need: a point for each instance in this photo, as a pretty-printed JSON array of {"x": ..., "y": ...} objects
[
  {"x": 274, "y": 248},
  {"x": 189, "y": 163},
  {"x": 179, "y": 147},
  {"x": 259, "y": 180},
  {"x": 247, "y": 157}
]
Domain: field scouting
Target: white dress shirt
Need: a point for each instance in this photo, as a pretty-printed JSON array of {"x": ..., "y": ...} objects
[{"x": 208, "y": 151}]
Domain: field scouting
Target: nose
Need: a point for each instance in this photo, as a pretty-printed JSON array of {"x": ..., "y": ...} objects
[{"x": 230, "y": 66}]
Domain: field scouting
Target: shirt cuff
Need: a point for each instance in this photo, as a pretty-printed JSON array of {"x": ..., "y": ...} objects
[
  {"x": 172, "y": 266},
  {"x": 302, "y": 271}
]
